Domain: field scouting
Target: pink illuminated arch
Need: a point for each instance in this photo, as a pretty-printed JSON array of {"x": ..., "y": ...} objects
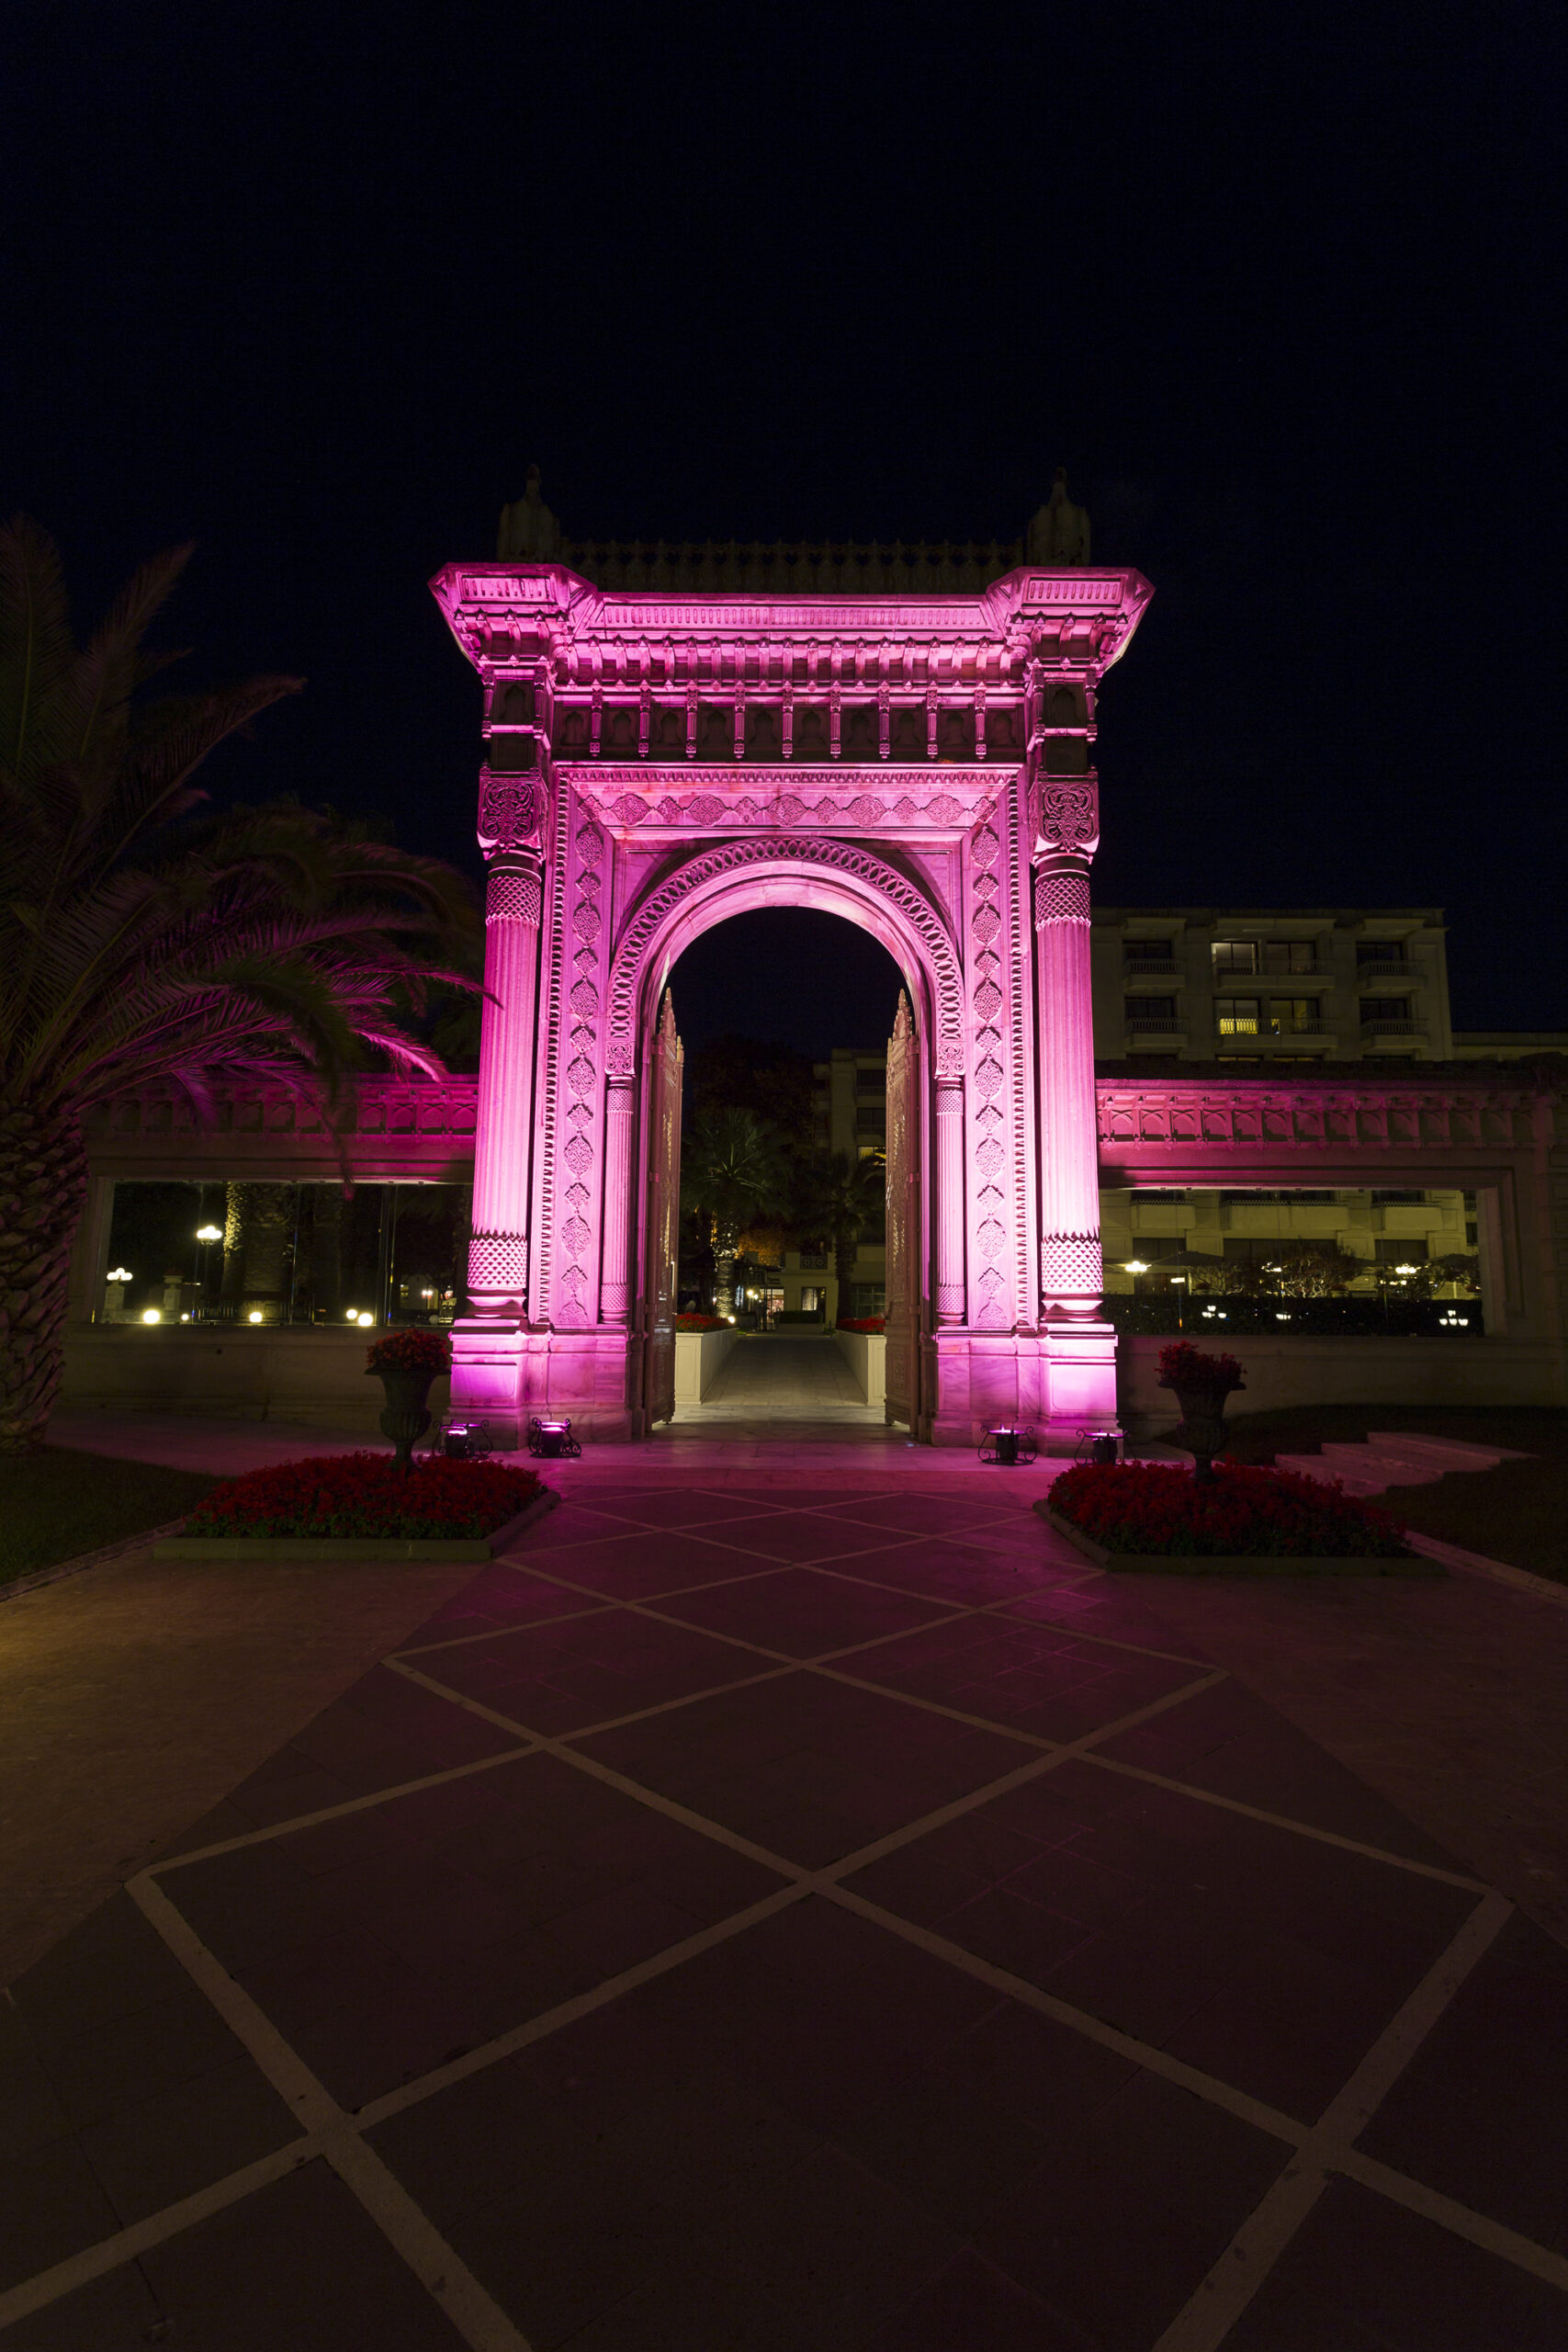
[{"x": 838, "y": 877}]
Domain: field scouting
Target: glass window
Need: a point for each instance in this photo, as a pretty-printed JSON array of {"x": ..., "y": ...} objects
[
  {"x": 1289, "y": 955},
  {"x": 1380, "y": 951},
  {"x": 1236, "y": 1016},
  {"x": 1235, "y": 955},
  {"x": 325, "y": 1254},
  {"x": 1151, "y": 1008},
  {"x": 1288, "y": 1013},
  {"x": 1385, "y": 1008},
  {"x": 1400, "y": 1249}
]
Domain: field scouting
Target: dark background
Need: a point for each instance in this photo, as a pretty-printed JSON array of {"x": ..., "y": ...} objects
[{"x": 1280, "y": 286}]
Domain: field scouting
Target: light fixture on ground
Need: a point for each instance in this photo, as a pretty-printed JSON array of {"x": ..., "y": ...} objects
[
  {"x": 152, "y": 1314},
  {"x": 254, "y": 1315},
  {"x": 365, "y": 1321},
  {"x": 552, "y": 1440},
  {"x": 1008, "y": 1446}
]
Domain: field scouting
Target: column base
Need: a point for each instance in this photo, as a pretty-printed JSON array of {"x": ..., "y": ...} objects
[
  {"x": 506, "y": 1374},
  {"x": 1056, "y": 1381}
]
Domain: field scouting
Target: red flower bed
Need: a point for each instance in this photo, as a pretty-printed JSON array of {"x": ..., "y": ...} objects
[
  {"x": 366, "y": 1494},
  {"x": 1181, "y": 1365},
  {"x": 411, "y": 1351},
  {"x": 701, "y": 1323},
  {"x": 862, "y": 1322},
  {"x": 1272, "y": 1514}
]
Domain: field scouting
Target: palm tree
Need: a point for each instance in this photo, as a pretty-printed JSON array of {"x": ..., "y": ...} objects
[
  {"x": 836, "y": 1196},
  {"x": 732, "y": 1165},
  {"x": 143, "y": 937}
]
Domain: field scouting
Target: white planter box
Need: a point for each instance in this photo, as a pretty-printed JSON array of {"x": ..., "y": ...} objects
[
  {"x": 865, "y": 1352},
  {"x": 698, "y": 1355}
]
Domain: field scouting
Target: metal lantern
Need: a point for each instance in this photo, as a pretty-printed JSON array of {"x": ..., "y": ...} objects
[
  {"x": 1011, "y": 1447},
  {"x": 552, "y": 1440}
]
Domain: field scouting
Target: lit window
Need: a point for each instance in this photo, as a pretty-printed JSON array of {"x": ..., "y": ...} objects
[
  {"x": 1235, "y": 955},
  {"x": 1236, "y": 1016}
]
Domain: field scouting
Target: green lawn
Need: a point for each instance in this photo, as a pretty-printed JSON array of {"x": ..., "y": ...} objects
[
  {"x": 1518, "y": 1512},
  {"x": 57, "y": 1503}
]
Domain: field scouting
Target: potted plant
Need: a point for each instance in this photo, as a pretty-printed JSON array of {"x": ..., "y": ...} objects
[
  {"x": 406, "y": 1363},
  {"x": 1201, "y": 1382}
]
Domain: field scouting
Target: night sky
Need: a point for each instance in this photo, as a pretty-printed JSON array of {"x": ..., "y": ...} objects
[{"x": 1277, "y": 285}]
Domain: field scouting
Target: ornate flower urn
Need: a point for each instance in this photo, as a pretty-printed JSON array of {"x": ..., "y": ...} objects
[
  {"x": 406, "y": 1363},
  {"x": 1201, "y": 1383}
]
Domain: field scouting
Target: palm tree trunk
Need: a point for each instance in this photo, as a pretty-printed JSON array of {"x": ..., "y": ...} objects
[
  {"x": 725, "y": 1239},
  {"x": 43, "y": 1183}
]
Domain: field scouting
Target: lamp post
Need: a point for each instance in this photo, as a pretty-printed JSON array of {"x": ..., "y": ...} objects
[{"x": 206, "y": 1235}]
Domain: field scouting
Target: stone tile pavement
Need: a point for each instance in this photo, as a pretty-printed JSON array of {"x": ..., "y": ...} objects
[{"x": 773, "y": 1911}]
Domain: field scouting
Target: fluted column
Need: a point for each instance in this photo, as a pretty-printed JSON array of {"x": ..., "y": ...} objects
[
  {"x": 950, "y": 1298},
  {"x": 1070, "y": 1276},
  {"x": 615, "y": 1294},
  {"x": 498, "y": 1250}
]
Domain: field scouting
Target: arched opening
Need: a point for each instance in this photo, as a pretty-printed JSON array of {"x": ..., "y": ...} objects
[{"x": 785, "y": 988}]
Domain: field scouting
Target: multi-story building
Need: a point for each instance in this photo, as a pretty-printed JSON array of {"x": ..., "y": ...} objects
[
  {"x": 1254, "y": 986},
  {"x": 850, "y": 1115},
  {"x": 1260, "y": 985},
  {"x": 1257, "y": 986}
]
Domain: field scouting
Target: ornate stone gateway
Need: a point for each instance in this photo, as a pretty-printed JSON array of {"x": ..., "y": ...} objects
[{"x": 919, "y": 764}]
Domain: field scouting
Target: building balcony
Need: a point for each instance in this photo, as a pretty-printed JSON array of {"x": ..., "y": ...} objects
[
  {"x": 1389, "y": 971},
  {"x": 1393, "y": 1029},
  {"x": 1155, "y": 1026},
  {"x": 1272, "y": 1033},
  {"x": 1150, "y": 968}
]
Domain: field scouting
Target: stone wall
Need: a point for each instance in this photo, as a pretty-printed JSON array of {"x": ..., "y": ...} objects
[
  {"x": 1281, "y": 1372},
  {"x": 317, "y": 1377}
]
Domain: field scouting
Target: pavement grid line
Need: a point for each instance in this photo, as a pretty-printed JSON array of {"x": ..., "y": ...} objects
[{"x": 1321, "y": 2149}]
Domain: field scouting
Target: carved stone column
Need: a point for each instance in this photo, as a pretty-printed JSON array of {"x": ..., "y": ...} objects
[
  {"x": 498, "y": 1250},
  {"x": 949, "y": 1295},
  {"x": 1070, "y": 1279},
  {"x": 1065, "y": 831},
  {"x": 614, "y": 1292}
]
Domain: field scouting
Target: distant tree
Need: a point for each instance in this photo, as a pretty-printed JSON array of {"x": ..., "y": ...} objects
[
  {"x": 142, "y": 937},
  {"x": 1428, "y": 1275},
  {"x": 1315, "y": 1269},
  {"x": 774, "y": 1082},
  {"x": 733, "y": 1169},
  {"x": 1215, "y": 1277},
  {"x": 834, "y": 1197}
]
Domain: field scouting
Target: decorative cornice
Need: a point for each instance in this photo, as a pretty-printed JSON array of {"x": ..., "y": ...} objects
[{"x": 555, "y": 606}]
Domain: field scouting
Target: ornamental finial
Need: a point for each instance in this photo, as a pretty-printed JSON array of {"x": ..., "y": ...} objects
[
  {"x": 1059, "y": 533},
  {"x": 529, "y": 533}
]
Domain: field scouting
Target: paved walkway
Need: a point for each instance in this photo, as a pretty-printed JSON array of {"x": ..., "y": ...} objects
[
  {"x": 763, "y": 1913},
  {"x": 767, "y": 1379}
]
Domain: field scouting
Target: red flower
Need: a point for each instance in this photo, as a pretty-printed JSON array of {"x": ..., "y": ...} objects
[
  {"x": 1181, "y": 1365},
  {"x": 411, "y": 1351},
  {"x": 701, "y": 1323},
  {"x": 366, "y": 1494},
  {"x": 1158, "y": 1506},
  {"x": 862, "y": 1322}
]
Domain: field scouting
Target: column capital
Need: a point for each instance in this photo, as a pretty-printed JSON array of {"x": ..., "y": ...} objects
[{"x": 1064, "y": 817}]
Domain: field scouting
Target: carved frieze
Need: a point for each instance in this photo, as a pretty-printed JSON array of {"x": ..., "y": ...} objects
[
  {"x": 988, "y": 1122},
  {"x": 737, "y": 858},
  {"x": 831, "y": 799},
  {"x": 578, "y": 1236}
]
